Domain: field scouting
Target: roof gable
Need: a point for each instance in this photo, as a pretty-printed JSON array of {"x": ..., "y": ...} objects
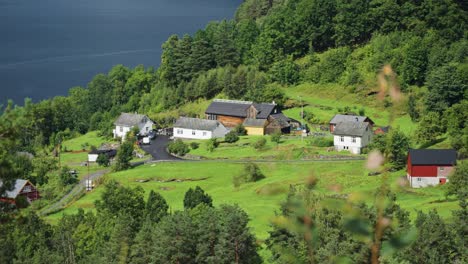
[
  {"x": 19, "y": 185},
  {"x": 197, "y": 123},
  {"x": 129, "y": 120},
  {"x": 351, "y": 128},
  {"x": 349, "y": 118},
  {"x": 433, "y": 156},
  {"x": 239, "y": 108}
]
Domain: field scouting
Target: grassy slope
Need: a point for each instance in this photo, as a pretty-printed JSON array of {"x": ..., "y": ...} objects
[
  {"x": 262, "y": 199},
  {"x": 290, "y": 148}
]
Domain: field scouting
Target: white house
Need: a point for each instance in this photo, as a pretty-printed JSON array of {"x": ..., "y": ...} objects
[
  {"x": 126, "y": 121},
  {"x": 352, "y": 136},
  {"x": 196, "y": 128}
]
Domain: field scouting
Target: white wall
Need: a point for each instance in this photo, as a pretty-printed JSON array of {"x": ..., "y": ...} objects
[
  {"x": 92, "y": 157},
  {"x": 118, "y": 133},
  {"x": 419, "y": 182},
  {"x": 145, "y": 127},
  {"x": 188, "y": 133},
  {"x": 348, "y": 144}
]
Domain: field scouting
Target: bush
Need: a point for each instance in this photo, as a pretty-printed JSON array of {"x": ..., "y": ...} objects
[
  {"x": 240, "y": 130},
  {"x": 276, "y": 137},
  {"x": 321, "y": 142},
  {"x": 231, "y": 137},
  {"x": 260, "y": 143},
  {"x": 212, "y": 144},
  {"x": 194, "y": 145},
  {"x": 178, "y": 147},
  {"x": 251, "y": 173},
  {"x": 103, "y": 160}
]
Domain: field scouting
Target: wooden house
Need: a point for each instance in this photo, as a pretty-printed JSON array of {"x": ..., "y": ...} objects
[
  {"x": 426, "y": 167},
  {"x": 21, "y": 188},
  {"x": 196, "y": 128}
]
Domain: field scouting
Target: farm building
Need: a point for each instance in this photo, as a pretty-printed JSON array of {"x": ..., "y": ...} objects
[
  {"x": 352, "y": 136},
  {"x": 22, "y": 188},
  {"x": 196, "y": 128},
  {"x": 382, "y": 130},
  {"x": 427, "y": 167},
  {"x": 126, "y": 121},
  {"x": 93, "y": 154},
  {"x": 339, "y": 118},
  {"x": 258, "y": 118}
]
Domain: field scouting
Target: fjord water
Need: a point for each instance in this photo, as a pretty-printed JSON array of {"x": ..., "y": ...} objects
[{"x": 49, "y": 46}]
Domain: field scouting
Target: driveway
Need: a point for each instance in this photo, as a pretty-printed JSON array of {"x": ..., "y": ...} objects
[{"x": 157, "y": 148}]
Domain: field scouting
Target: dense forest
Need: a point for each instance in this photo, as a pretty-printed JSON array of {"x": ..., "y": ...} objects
[{"x": 269, "y": 46}]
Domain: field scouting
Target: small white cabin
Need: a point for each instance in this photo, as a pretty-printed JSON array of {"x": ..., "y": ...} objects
[
  {"x": 196, "y": 128},
  {"x": 352, "y": 136}
]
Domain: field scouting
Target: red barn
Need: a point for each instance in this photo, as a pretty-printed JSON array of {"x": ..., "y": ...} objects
[
  {"x": 22, "y": 188},
  {"x": 430, "y": 166}
]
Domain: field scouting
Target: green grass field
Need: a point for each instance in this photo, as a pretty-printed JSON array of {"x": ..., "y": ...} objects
[
  {"x": 261, "y": 199},
  {"x": 89, "y": 139},
  {"x": 290, "y": 148}
]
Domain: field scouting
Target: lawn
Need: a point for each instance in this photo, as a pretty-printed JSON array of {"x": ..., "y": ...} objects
[
  {"x": 324, "y": 101},
  {"x": 290, "y": 148},
  {"x": 262, "y": 199},
  {"x": 86, "y": 141}
]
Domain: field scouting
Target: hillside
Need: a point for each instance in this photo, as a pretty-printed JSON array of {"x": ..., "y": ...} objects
[{"x": 403, "y": 64}]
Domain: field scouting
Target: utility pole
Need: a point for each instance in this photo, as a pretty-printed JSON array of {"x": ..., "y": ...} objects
[{"x": 302, "y": 119}]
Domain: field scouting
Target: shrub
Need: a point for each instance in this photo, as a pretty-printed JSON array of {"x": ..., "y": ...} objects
[
  {"x": 251, "y": 173},
  {"x": 212, "y": 144},
  {"x": 194, "y": 145},
  {"x": 260, "y": 143},
  {"x": 103, "y": 160},
  {"x": 240, "y": 130},
  {"x": 276, "y": 137},
  {"x": 178, "y": 147},
  {"x": 321, "y": 142},
  {"x": 362, "y": 111},
  {"x": 231, "y": 137}
]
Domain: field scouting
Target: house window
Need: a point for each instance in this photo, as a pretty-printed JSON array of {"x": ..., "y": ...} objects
[
  {"x": 27, "y": 189},
  {"x": 179, "y": 131},
  {"x": 353, "y": 140},
  {"x": 147, "y": 128},
  {"x": 342, "y": 139},
  {"x": 193, "y": 132},
  {"x": 121, "y": 129},
  {"x": 419, "y": 179},
  {"x": 204, "y": 133}
]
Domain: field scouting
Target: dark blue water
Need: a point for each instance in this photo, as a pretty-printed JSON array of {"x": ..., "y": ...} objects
[{"x": 49, "y": 46}]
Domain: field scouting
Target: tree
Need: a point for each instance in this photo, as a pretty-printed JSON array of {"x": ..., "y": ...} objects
[
  {"x": 67, "y": 178},
  {"x": 124, "y": 156},
  {"x": 412, "y": 108},
  {"x": 240, "y": 130},
  {"x": 236, "y": 243},
  {"x": 458, "y": 182},
  {"x": 397, "y": 148},
  {"x": 194, "y": 197},
  {"x": 447, "y": 86},
  {"x": 231, "y": 137},
  {"x": 156, "y": 207},
  {"x": 103, "y": 160},
  {"x": 430, "y": 127},
  {"x": 285, "y": 71}
]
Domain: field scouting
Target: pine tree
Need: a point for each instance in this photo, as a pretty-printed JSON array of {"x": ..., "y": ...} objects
[{"x": 156, "y": 207}]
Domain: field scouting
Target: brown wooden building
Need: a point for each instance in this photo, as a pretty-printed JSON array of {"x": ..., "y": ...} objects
[{"x": 233, "y": 112}]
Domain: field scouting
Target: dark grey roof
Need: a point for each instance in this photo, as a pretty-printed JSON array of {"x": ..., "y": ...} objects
[
  {"x": 351, "y": 128},
  {"x": 127, "y": 119},
  {"x": 109, "y": 152},
  {"x": 433, "y": 156},
  {"x": 348, "y": 118},
  {"x": 251, "y": 122},
  {"x": 238, "y": 108},
  {"x": 282, "y": 120},
  {"x": 264, "y": 109},
  {"x": 196, "y": 123},
  {"x": 19, "y": 184}
]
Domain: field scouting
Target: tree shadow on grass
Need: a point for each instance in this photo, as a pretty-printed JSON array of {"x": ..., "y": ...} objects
[{"x": 432, "y": 143}]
